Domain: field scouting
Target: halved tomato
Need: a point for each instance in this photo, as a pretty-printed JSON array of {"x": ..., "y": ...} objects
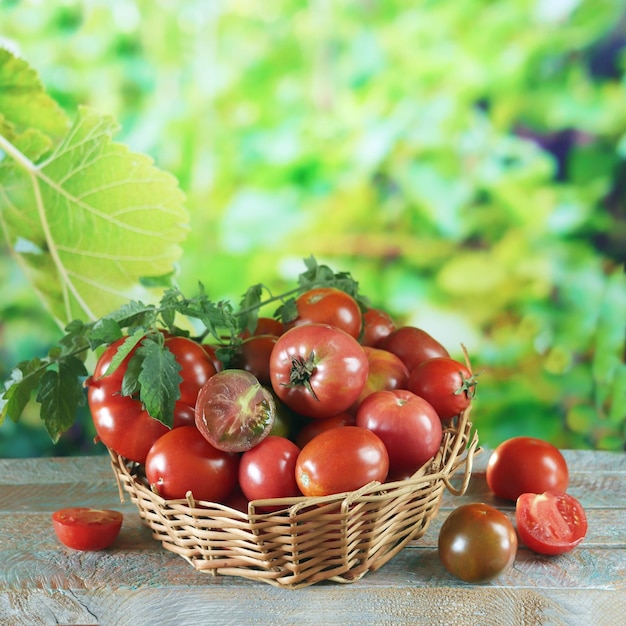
[
  {"x": 550, "y": 522},
  {"x": 82, "y": 528}
]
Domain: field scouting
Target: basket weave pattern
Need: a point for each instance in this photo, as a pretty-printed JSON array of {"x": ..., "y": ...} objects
[{"x": 339, "y": 537}]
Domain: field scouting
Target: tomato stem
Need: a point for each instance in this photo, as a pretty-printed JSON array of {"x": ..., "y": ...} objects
[{"x": 301, "y": 372}]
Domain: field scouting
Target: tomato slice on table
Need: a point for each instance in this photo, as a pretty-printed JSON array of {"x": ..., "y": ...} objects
[
  {"x": 550, "y": 522},
  {"x": 83, "y": 528}
]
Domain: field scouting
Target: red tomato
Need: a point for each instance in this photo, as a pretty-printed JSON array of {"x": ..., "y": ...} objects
[
  {"x": 253, "y": 355},
  {"x": 408, "y": 426},
  {"x": 386, "y": 371},
  {"x": 210, "y": 350},
  {"x": 328, "y": 305},
  {"x": 550, "y": 523},
  {"x": 196, "y": 366},
  {"x": 183, "y": 460},
  {"x": 447, "y": 384},
  {"x": 318, "y": 370},
  {"x": 234, "y": 412},
  {"x": 316, "y": 426},
  {"x": 477, "y": 543},
  {"x": 82, "y": 528},
  {"x": 121, "y": 423},
  {"x": 526, "y": 465},
  {"x": 377, "y": 324},
  {"x": 265, "y": 326},
  {"x": 341, "y": 459},
  {"x": 269, "y": 471},
  {"x": 413, "y": 346}
]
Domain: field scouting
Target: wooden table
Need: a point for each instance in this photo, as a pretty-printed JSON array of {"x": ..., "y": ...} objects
[{"x": 137, "y": 582}]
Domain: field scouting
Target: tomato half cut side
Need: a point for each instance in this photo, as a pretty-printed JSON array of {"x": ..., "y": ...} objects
[
  {"x": 83, "y": 528},
  {"x": 550, "y": 522}
]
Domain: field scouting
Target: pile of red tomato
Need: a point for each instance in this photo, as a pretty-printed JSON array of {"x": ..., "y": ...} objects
[{"x": 327, "y": 403}]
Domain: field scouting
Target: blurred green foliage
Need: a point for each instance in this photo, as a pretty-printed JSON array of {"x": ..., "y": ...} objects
[{"x": 464, "y": 159}]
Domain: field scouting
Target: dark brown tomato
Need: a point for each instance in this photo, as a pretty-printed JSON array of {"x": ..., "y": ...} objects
[{"x": 477, "y": 543}]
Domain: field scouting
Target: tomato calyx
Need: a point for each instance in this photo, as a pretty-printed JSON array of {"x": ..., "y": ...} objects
[
  {"x": 468, "y": 385},
  {"x": 301, "y": 372}
]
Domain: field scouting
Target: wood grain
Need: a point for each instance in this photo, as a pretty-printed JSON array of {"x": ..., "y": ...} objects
[{"x": 137, "y": 582}]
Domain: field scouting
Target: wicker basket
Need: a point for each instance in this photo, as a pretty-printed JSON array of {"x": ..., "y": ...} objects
[{"x": 339, "y": 537}]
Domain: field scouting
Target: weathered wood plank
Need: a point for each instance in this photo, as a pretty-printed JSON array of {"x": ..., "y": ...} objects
[{"x": 344, "y": 605}]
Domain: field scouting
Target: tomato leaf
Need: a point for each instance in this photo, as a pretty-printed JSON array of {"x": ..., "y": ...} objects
[
  {"x": 159, "y": 381},
  {"x": 249, "y": 308},
  {"x": 60, "y": 394},
  {"x": 19, "y": 388},
  {"x": 93, "y": 219}
]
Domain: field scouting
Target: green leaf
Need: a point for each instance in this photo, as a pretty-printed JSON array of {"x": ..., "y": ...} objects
[
  {"x": 104, "y": 332},
  {"x": 24, "y": 104},
  {"x": 19, "y": 388},
  {"x": 124, "y": 350},
  {"x": 95, "y": 218},
  {"x": 60, "y": 394},
  {"x": 249, "y": 308},
  {"x": 159, "y": 381}
]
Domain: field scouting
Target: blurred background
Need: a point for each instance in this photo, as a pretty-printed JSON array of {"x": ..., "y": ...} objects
[{"x": 465, "y": 160}]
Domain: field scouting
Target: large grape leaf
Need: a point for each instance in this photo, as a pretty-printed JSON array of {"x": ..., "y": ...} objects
[
  {"x": 91, "y": 221},
  {"x": 24, "y": 103}
]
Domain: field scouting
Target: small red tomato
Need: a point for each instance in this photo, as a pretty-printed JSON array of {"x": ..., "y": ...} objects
[
  {"x": 550, "y": 523},
  {"x": 83, "y": 528},
  {"x": 413, "y": 346},
  {"x": 329, "y": 305},
  {"x": 183, "y": 460},
  {"x": 269, "y": 471},
  {"x": 377, "y": 324},
  {"x": 386, "y": 371},
  {"x": 315, "y": 427},
  {"x": 447, "y": 384},
  {"x": 253, "y": 355},
  {"x": 477, "y": 543},
  {"x": 526, "y": 465},
  {"x": 234, "y": 411},
  {"x": 407, "y": 424},
  {"x": 341, "y": 459}
]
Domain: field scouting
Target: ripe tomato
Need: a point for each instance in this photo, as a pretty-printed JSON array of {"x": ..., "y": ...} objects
[
  {"x": 328, "y": 305},
  {"x": 83, "y": 528},
  {"x": 269, "y": 471},
  {"x": 318, "y": 370},
  {"x": 413, "y": 346},
  {"x": 316, "y": 426},
  {"x": 196, "y": 366},
  {"x": 477, "y": 543},
  {"x": 526, "y": 465},
  {"x": 183, "y": 460},
  {"x": 550, "y": 523},
  {"x": 447, "y": 384},
  {"x": 121, "y": 422},
  {"x": 377, "y": 324},
  {"x": 234, "y": 412},
  {"x": 265, "y": 326},
  {"x": 408, "y": 426},
  {"x": 253, "y": 355},
  {"x": 385, "y": 371},
  {"x": 341, "y": 459}
]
